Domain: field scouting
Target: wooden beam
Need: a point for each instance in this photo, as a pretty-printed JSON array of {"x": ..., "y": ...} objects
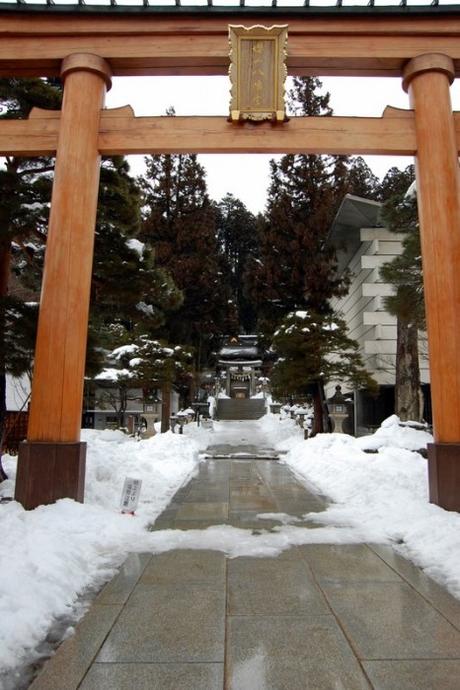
[
  {"x": 339, "y": 135},
  {"x": 362, "y": 45},
  {"x": 122, "y": 133}
]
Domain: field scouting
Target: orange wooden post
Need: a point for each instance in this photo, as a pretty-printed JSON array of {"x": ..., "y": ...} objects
[
  {"x": 427, "y": 78},
  {"x": 51, "y": 462}
]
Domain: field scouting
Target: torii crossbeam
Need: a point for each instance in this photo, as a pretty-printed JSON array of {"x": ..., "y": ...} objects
[{"x": 87, "y": 45}]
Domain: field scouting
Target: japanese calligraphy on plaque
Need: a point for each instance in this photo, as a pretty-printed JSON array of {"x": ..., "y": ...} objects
[{"x": 257, "y": 72}]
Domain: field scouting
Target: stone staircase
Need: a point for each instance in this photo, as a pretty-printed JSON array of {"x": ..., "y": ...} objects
[{"x": 230, "y": 408}]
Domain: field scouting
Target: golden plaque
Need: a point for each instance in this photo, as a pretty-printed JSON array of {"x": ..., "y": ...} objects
[{"x": 257, "y": 72}]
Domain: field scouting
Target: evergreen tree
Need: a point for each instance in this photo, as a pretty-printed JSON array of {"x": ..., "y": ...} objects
[
  {"x": 145, "y": 363},
  {"x": 357, "y": 179},
  {"x": 395, "y": 183},
  {"x": 179, "y": 222},
  {"x": 407, "y": 304},
  {"x": 237, "y": 239},
  {"x": 297, "y": 267},
  {"x": 127, "y": 288},
  {"x": 314, "y": 348}
]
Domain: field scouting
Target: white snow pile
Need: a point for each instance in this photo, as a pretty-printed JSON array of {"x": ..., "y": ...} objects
[
  {"x": 395, "y": 434},
  {"x": 382, "y": 494},
  {"x": 280, "y": 432},
  {"x": 54, "y": 553}
]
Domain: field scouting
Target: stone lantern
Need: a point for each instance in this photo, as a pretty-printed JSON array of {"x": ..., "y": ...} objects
[{"x": 337, "y": 409}]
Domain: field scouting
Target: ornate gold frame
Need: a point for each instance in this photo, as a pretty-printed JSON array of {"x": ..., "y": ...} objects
[{"x": 258, "y": 78}]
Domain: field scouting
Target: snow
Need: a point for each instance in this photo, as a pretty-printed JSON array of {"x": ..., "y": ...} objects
[
  {"x": 145, "y": 308},
  {"x": 383, "y": 495},
  {"x": 17, "y": 392},
  {"x": 111, "y": 374},
  {"x": 123, "y": 350},
  {"x": 411, "y": 192},
  {"x": 137, "y": 246},
  {"x": 58, "y": 552}
]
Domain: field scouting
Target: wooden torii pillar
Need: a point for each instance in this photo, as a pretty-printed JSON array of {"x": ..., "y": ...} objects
[
  {"x": 427, "y": 78},
  {"x": 52, "y": 462}
]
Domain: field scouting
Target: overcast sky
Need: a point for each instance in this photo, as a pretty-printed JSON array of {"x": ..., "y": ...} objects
[{"x": 246, "y": 175}]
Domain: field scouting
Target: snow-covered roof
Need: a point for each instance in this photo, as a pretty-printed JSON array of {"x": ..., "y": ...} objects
[
  {"x": 241, "y": 362},
  {"x": 238, "y": 351}
]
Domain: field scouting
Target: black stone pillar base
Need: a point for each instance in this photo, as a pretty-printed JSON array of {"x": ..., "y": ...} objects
[
  {"x": 50, "y": 471},
  {"x": 444, "y": 475}
]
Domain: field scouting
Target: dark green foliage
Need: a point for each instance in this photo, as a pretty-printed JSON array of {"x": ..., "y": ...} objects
[
  {"x": 406, "y": 275},
  {"x": 19, "y": 96},
  {"x": 156, "y": 363},
  {"x": 237, "y": 237},
  {"x": 314, "y": 347},
  {"x": 142, "y": 364},
  {"x": 357, "y": 179},
  {"x": 179, "y": 221},
  {"x": 296, "y": 272},
  {"x": 405, "y": 271},
  {"x": 395, "y": 183},
  {"x": 127, "y": 287},
  {"x": 297, "y": 267}
]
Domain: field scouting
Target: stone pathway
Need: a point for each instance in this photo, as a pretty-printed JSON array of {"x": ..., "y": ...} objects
[{"x": 317, "y": 617}]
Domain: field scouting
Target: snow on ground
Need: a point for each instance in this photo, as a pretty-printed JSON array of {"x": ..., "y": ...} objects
[
  {"x": 53, "y": 554},
  {"x": 383, "y": 494}
]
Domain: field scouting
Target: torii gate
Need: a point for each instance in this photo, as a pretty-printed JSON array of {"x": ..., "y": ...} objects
[{"x": 86, "y": 45}]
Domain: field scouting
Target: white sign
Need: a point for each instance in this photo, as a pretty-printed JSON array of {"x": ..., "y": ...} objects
[{"x": 130, "y": 494}]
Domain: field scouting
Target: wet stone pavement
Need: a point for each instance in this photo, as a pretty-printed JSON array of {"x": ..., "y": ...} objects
[{"x": 317, "y": 617}]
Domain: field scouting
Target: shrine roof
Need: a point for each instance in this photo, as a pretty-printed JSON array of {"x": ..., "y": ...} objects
[
  {"x": 235, "y": 7},
  {"x": 240, "y": 362}
]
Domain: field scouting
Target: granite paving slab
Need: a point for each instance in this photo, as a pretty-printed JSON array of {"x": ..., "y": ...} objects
[
  {"x": 288, "y": 653},
  {"x": 184, "y": 567},
  {"x": 439, "y": 597},
  {"x": 353, "y": 562},
  {"x": 389, "y": 620},
  {"x": 68, "y": 667},
  {"x": 168, "y": 624},
  {"x": 422, "y": 674},
  {"x": 203, "y": 511},
  {"x": 154, "y": 677},
  {"x": 269, "y": 586}
]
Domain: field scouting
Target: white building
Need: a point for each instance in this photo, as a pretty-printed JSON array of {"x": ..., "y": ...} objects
[{"x": 363, "y": 245}]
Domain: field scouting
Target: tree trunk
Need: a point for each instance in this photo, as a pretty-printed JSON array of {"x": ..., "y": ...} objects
[
  {"x": 407, "y": 386},
  {"x": 318, "y": 398},
  {"x": 165, "y": 406}
]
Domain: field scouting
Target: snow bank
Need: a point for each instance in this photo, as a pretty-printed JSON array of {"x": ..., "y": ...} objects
[
  {"x": 52, "y": 554},
  {"x": 383, "y": 494},
  {"x": 392, "y": 433},
  {"x": 281, "y": 433},
  {"x": 162, "y": 462}
]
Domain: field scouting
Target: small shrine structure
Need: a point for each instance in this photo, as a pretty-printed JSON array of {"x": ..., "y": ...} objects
[{"x": 239, "y": 366}]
